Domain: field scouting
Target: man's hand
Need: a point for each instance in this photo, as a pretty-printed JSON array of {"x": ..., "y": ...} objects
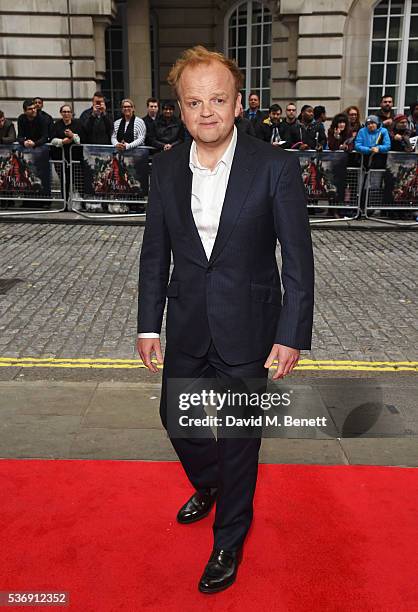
[
  {"x": 147, "y": 346},
  {"x": 374, "y": 149},
  {"x": 121, "y": 146},
  {"x": 287, "y": 358},
  {"x": 29, "y": 144},
  {"x": 167, "y": 147}
]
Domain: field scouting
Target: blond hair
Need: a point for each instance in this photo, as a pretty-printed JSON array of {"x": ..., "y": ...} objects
[
  {"x": 129, "y": 101},
  {"x": 200, "y": 55}
]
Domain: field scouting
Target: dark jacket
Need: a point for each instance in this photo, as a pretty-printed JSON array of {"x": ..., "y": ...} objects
[
  {"x": 313, "y": 134},
  {"x": 149, "y": 124},
  {"x": 58, "y": 131},
  {"x": 98, "y": 129},
  {"x": 36, "y": 130},
  {"x": 7, "y": 133},
  {"x": 259, "y": 116},
  {"x": 166, "y": 132},
  {"x": 267, "y": 129},
  {"x": 290, "y": 133},
  {"x": 234, "y": 298},
  {"x": 48, "y": 120},
  {"x": 245, "y": 125}
]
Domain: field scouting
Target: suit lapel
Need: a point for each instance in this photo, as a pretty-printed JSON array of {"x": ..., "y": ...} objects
[{"x": 242, "y": 172}]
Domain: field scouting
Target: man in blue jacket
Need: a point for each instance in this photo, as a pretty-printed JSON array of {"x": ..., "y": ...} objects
[{"x": 372, "y": 138}]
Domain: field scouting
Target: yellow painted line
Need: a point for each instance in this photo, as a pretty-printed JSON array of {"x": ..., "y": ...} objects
[{"x": 304, "y": 364}]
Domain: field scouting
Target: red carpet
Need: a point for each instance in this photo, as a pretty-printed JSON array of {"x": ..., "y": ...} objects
[{"x": 324, "y": 538}]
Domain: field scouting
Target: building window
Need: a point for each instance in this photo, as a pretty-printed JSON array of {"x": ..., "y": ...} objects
[
  {"x": 115, "y": 85},
  {"x": 394, "y": 54},
  {"x": 248, "y": 41}
]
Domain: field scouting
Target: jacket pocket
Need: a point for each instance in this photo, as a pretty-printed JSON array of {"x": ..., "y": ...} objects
[
  {"x": 173, "y": 289},
  {"x": 266, "y": 293}
]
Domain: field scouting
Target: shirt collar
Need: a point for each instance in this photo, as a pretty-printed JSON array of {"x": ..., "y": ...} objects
[{"x": 226, "y": 158}]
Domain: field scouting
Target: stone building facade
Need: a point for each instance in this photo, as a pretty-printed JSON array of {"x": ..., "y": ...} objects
[{"x": 316, "y": 51}]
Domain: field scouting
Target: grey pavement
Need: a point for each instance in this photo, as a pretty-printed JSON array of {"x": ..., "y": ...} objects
[{"x": 69, "y": 291}]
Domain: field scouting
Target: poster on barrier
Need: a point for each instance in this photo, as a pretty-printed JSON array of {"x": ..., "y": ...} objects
[
  {"x": 401, "y": 179},
  {"x": 115, "y": 174},
  {"x": 24, "y": 171},
  {"x": 324, "y": 174}
]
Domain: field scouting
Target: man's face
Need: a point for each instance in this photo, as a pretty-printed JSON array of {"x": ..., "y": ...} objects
[
  {"x": 30, "y": 111},
  {"x": 209, "y": 102},
  {"x": 99, "y": 104},
  {"x": 38, "y": 103},
  {"x": 152, "y": 109},
  {"x": 386, "y": 104},
  {"x": 308, "y": 114},
  {"x": 254, "y": 102},
  {"x": 291, "y": 112},
  {"x": 275, "y": 116},
  {"x": 168, "y": 112},
  {"x": 372, "y": 127},
  {"x": 2, "y": 121}
]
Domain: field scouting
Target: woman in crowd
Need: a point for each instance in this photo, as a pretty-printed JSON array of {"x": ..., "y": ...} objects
[
  {"x": 129, "y": 131},
  {"x": 340, "y": 136},
  {"x": 353, "y": 114},
  {"x": 65, "y": 133}
]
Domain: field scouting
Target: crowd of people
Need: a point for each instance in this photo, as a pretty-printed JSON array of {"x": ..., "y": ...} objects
[{"x": 160, "y": 128}]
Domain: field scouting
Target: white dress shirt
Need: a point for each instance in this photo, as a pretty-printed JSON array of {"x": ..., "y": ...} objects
[{"x": 208, "y": 195}]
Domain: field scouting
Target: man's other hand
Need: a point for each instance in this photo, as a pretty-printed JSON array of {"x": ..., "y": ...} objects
[
  {"x": 146, "y": 347},
  {"x": 287, "y": 358}
]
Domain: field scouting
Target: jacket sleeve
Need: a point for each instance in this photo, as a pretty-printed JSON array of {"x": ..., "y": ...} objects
[
  {"x": 114, "y": 138},
  {"x": 385, "y": 146},
  {"x": 11, "y": 135},
  {"x": 45, "y": 132},
  {"x": 154, "y": 263},
  {"x": 359, "y": 144},
  {"x": 20, "y": 130},
  {"x": 293, "y": 232},
  {"x": 140, "y": 132}
]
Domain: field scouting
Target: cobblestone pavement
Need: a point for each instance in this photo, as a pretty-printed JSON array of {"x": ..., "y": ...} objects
[{"x": 72, "y": 292}]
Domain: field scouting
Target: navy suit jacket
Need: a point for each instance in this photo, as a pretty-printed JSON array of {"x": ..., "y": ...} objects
[{"x": 235, "y": 298}]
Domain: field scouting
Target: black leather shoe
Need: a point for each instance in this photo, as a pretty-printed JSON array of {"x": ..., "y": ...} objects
[
  {"x": 197, "y": 507},
  {"x": 221, "y": 571}
]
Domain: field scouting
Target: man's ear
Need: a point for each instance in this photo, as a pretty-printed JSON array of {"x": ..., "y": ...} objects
[{"x": 238, "y": 102}]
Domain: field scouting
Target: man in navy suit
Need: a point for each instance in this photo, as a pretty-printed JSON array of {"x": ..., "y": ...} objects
[{"x": 218, "y": 205}]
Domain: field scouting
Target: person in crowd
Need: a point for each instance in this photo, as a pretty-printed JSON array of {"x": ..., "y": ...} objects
[
  {"x": 129, "y": 131},
  {"x": 312, "y": 132},
  {"x": 253, "y": 112},
  {"x": 400, "y": 135},
  {"x": 373, "y": 138},
  {"x": 153, "y": 107},
  {"x": 269, "y": 129},
  {"x": 243, "y": 124},
  {"x": 32, "y": 129},
  {"x": 413, "y": 119},
  {"x": 39, "y": 103},
  {"x": 7, "y": 130},
  {"x": 66, "y": 132},
  {"x": 385, "y": 113},
  {"x": 353, "y": 114},
  {"x": 340, "y": 136},
  {"x": 98, "y": 125},
  {"x": 320, "y": 114},
  {"x": 289, "y": 127},
  {"x": 168, "y": 130}
]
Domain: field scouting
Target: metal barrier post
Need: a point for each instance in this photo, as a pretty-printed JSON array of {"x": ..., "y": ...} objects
[
  {"x": 111, "y": 179},
  {"x": 21, "y": 179}
]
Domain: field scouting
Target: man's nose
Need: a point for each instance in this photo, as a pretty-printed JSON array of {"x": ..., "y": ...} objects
[{"x": 206, "y": 109}]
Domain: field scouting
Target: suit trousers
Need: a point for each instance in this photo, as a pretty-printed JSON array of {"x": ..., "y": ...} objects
[{"x": 228, "y": 463}]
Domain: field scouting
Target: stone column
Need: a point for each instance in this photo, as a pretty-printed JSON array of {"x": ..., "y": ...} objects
[
  {"x": 99, "y": 27},
  {"x": 139, "y": 53}
]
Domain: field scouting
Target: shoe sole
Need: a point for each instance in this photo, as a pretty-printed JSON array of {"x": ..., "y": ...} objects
[{"x": 199, "y": 518}]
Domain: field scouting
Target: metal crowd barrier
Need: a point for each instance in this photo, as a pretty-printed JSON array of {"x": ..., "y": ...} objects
[
  {"x": 108, "y": 183},
  {"x": 393, "y": 190},
  {"x": 29, "y": 179},
  {"x": 331, "y": 184}
]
